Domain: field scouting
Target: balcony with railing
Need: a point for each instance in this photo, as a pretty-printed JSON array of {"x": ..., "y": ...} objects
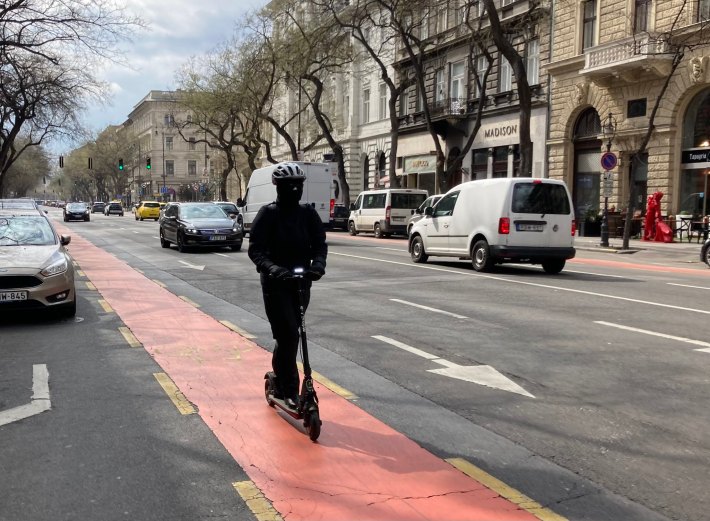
[{"x": 627, "y": 58}]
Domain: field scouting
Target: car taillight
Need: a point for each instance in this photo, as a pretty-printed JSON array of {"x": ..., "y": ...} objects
[
  {"x": 332, "y": 208},
  {"x": 504, "y": 226},
  {"x": 388, "y": 212},
  {"x": 574, "y": 227}
]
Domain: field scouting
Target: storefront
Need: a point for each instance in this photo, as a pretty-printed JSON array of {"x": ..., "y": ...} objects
[
  {"x": 695, "y": 157},
  {"x": 420, "y": 172}
]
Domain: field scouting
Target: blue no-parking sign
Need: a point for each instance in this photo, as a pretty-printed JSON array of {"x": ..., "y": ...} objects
[{"x": 609, "y": 161}]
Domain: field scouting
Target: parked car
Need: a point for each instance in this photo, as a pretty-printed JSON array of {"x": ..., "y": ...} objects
[
  {"x": 98, "y": 206},
  {"x": 148, "y": 210},
  {"x": 490, "y": 221},
  {"x": 705, "y": 253},
  {"x": 113, "y": 208},
  {"x": 76, "y": 212},
  {"x": 384, "y": 212},
  {"x": 418, "y": 213},
  {"x": 38, "y": 272},
  {"x": 339, "y": 219},
  {"x": 230, "y": 209},
  {"x": 26, "y": 204},
  {"x": 198, "y": 225}
]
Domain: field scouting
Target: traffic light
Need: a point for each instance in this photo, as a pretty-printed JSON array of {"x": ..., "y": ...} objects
[
  {"x": 120, "y": 164},
  {"x": 147, "y": 163},
  {"x": 91, "y": 163},
  {"x": 61, "y": 161}
]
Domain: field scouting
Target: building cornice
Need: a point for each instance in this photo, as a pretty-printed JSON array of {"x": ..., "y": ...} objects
[{"x": 573, "y": 64}]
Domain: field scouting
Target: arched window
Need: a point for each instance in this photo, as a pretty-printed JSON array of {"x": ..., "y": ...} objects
[
  {"x": 588, "y": 125},
  {"x": 382, "y": 165}
]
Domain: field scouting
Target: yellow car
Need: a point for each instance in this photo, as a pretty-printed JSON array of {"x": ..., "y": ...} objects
[{"x": 148, "y": 210}]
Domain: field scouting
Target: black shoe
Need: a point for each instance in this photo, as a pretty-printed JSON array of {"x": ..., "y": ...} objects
[{"x": 291, "y": 402}]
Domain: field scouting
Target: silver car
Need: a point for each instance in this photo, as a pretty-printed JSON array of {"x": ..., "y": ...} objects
[
  {"x": 418, "y": 213},
  {"x": 36, "y": 272}
]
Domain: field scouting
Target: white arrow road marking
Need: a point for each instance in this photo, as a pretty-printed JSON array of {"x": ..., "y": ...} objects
[
  {"x": 40, "y": 398},
  {"x": 192, "y": 266},
  {"x": 706, "y": 345},
  {"x": 478, "y": 374},
  {"x": 434, "y": 310}
]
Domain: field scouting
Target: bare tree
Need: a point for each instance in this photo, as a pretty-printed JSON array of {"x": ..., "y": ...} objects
[
  {"x": 28, "y": 172},
  {"x": 48, "y": 50}
]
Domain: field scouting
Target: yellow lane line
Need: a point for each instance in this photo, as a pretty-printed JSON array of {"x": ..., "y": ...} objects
[
  {"x": 183, "y": 297},
  {"x": 330, "y": 384},
  {"x": 90, "y": 286},
  {"x": 183, "y": 404},
  {"x": 236, "y": 329},
  {"x": 132, "y": 340},
  {"x": 255, "y": 500},
  {"x": 80, "y": 273},
  {"x": 509, "y": 493},
  {"x": 107, "y": 307},
  {"x": 161, "y": 284}
]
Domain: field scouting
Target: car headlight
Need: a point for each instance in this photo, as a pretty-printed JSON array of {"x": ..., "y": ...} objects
[
  {"x": 190, "y": 230},
  {"x": 57, "y": 264},
  {"x": 236, "y": 228}
]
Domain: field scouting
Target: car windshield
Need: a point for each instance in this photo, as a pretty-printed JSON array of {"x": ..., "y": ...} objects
[
  {"x": 400, "y": 200},
  {"x": 25, "y": 230},
  {"x": 76, "y": 206},
  {"x": 229, "y": 208},
  {"x": 541, "y": 198},
  {"x": 209, "y": 211},
  {"x": 151, "y": 205}
]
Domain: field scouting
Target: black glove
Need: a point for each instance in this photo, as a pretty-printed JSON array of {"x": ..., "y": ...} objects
[
  {"x": 279, "y": 272},
  {"x": 315, "y": 272}
]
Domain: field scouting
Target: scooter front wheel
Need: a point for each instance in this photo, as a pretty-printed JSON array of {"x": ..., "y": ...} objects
[
  {"x": 268, "y": 390},
  {"x": 312, "y": 425}
]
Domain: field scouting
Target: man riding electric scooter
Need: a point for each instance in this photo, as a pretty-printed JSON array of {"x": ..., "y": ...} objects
[{"x": 286, "y": 235}]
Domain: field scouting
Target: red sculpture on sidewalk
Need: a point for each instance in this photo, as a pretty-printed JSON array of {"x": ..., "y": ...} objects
[{"x": 654, "y": 227}]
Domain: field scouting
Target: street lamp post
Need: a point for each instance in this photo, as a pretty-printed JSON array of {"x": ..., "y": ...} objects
[{"x": 608, "y": 131}]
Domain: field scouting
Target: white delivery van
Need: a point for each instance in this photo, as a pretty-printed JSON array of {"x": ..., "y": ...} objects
[
  {"x": 384, "y": 212},
  {"x": 491, "y": 221},
  {"x": 318, "y": 190}
]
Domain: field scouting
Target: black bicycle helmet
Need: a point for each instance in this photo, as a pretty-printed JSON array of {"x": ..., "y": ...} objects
[{"x": 287, "y": 172}]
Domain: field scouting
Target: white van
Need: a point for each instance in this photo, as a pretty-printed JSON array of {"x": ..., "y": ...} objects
[
  {"x": 318, "y": 190},
  {"x": 384, "y": 212},
  {"x": 491, "y": 221}
]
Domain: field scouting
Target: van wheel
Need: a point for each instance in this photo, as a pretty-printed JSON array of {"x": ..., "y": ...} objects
[
  {"x": 378, "y": 231},
  {"x": 553, "y": 266},
  {"x": 481, "y": 256},
  {"x": 418, "y": 254},
  {"x": 351, "y": 228}
]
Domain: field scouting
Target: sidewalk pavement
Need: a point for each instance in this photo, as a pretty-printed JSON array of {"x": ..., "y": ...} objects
[{"x": 677, "y": 248}]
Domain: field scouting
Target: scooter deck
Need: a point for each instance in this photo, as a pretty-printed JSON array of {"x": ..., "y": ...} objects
[{"x": 281, "y": 404}]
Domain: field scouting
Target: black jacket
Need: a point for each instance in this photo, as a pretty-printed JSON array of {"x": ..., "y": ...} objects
[{"x": 287, "y": 237}]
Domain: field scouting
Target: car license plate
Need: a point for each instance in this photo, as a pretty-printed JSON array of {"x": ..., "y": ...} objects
[
  {"x": 218, "y": 237},
  {"x": 525, "y": 227},
  {"x": 12, "y": 296}
]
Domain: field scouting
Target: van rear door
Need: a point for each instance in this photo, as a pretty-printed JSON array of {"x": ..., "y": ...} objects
[
  {"x": 540, "y": 214},
  {"x": 402, "y": 203}
]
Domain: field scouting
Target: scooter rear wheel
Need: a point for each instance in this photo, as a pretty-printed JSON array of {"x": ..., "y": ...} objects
[
  {"x": 312, "y": 425},
  {"x": 268, "y": 391}
]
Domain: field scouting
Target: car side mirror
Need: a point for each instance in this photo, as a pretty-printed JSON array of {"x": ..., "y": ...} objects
[
  {"x": 64, "y": 239},
  {"x": 352, "y": 206},
  {"x": 429, "y": 211},
  {"x": 240, "y": 202}
]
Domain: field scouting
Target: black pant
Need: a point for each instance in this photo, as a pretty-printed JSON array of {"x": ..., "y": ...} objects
[{"x": 281, "y": 303}]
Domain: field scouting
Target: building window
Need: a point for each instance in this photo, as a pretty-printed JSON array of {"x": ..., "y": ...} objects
[
  {"x": 424, "y": 28},
  {"x": 703, "y": 10},
  {"x": 480, "y": 164},
  {"x": 532, "y": 67},
  {"x": 168, "y": 143},
  {"x": 189, "y": 118},
  {"x": 419, "y": 106},
  {"x": 404, "y": 102},
  {"x": 439, "y": 85},
  {"x": 383, "y": 101},
  {"x": 500, "y": 161},
  {"x": 589, "y": 24},
  {"x": 442, "y": 18},
  {"x": 636, "y": 108},
  {"x": 191, "y": 167},
  {"x": 505, "y": 76},
  {"x": 191, "y": 143},
  {"x": 481, "y": 67},
  {"x": 641, "y": 15},
  {"x": 366, "y": 106},
  {"x": 457, "y": 80},
  {"x": 168, "y": 120},
  {"x": 169, "y": 168}
]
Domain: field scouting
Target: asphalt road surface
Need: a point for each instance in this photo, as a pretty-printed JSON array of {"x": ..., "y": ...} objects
[{"x": 583, "y": 390}]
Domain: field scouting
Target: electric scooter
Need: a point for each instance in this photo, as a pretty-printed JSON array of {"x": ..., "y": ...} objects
[{"x": 308, "y": 400}]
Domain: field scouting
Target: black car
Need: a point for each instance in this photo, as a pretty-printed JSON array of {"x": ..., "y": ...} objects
[
  {"x": 705, "y": 252},
  {"x": 198, "y": 225},
  {"x": 76, "y": 212},
  {"x": 114, "y": 208},
  {"x": 340, "y": 217},
  {"x": 98, "y": 206}
]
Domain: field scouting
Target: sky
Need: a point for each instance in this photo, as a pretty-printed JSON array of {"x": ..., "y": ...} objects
[{"x": 177, "y": 30}]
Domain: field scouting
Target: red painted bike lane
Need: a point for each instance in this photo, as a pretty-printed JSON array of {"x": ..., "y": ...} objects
[{"x": 359, "y": 469}]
